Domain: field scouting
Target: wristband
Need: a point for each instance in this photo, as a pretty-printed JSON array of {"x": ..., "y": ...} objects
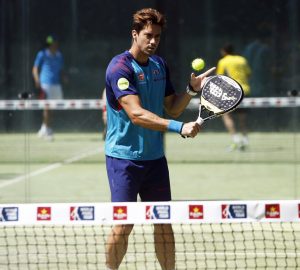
[
  {"x": 175, "y": 126},
  {"x": 191, "y": 91}
]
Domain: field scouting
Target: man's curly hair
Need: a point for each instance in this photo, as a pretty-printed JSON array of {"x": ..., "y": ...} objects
[{"x": 147, "y": 16}]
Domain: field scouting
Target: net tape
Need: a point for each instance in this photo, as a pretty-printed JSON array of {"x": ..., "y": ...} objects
[
  {"x": 208, "y": 235},
  {"x": 157, "y": 212},
  {"x": 96, "y": 104}
]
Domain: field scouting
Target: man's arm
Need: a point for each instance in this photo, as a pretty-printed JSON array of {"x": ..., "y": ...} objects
[
  {"x": 144, "y": 118},
  {"x": 35, "y": 74},
  {"x": 140, "y": 116}
]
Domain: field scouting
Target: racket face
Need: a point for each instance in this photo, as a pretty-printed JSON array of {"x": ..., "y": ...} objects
[{"x": 221, "y": 94}]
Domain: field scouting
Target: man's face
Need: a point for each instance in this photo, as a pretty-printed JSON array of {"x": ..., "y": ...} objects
[
  {"x": 54, "y": 46},
  {"x": 147, "y": 39}
]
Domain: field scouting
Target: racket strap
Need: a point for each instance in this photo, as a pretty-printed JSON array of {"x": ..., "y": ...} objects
[
  {"x": 191, "y": 91},
  {"x": 200, "y": 121}
]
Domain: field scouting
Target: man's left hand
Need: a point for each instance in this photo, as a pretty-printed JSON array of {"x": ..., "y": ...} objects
[{"x": 197, "y": 82}]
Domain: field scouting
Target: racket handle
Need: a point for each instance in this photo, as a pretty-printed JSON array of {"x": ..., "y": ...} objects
[{"x": 200, "y": 121}]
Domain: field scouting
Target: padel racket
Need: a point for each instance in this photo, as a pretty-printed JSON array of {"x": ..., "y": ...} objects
[{"x": 220, "y": 94}]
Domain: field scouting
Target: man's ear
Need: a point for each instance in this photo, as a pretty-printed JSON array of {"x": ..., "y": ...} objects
[{"x": 134, "y": 35}]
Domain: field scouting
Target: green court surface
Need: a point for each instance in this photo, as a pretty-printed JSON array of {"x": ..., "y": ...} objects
[{"x": 72, "y": 168}]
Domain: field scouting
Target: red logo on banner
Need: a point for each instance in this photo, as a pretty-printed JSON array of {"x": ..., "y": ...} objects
[
  {"x": 148, "y": 211},
  {"x": 272, "y": 211},
  {"x": 44, "y": 213},
  {"x": 73, "y": 213},
  {"x": 196, "y": 211},
  {"x": 225, "y": 210},
  {"x": 120, "y": 212},
  {"x": 299, "y": 210}
]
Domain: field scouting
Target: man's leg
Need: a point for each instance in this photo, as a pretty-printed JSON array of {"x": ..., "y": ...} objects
[
  {"x": 46, "y": 117},
  {"x": 229, "y": 123},
  {"x": 116, "y": 245},
  {"x": 45, "y": 92},
  {"x": 46, "y": 123},
  {"x": 243, "y": 122},
  {"x": 52, "y": 92},
  {"x": 243, "y": 125},
  {"x": 44, "y": 130},
  {"x": 165, "y": 246},
  {"x": 230, "y": 126}
]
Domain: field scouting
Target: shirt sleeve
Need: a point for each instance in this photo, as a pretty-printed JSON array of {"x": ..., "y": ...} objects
[
  {"x": 39, "y": 59},
  {"x": 121, "y": 80}
]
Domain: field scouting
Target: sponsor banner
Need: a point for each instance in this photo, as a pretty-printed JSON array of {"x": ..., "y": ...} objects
[
  {"x": 158, "y": 212},
  {"x": 151, "y": 212},
  {"x": 9, "y": 214},
  {"x": 82, "y": 213},
  {"x": 234, "y": 211}
]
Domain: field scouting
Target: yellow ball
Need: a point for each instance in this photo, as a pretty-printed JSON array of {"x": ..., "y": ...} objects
[{"x": 198, "y": 64}]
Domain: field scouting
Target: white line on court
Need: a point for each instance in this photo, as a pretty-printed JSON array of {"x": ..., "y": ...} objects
[{"x": 9, "y": 182}]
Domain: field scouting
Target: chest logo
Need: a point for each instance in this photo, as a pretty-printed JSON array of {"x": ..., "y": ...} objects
[{"x": 141, "y": 77}]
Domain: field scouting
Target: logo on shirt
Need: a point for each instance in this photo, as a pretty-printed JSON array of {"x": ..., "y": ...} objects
[
  {"x": 196, "y": 211},
  {"x": 120, "y": 213},
  {"x": 123, "y": 84},
  {"x": 158, "y": 212},
  {"x": 155, "y": 72},
  {"x": 141, "y": 77},
  {"x": 44, "y": 213}
]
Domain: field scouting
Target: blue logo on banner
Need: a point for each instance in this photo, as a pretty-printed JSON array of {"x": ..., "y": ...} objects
[
  {"x": 234, "y": 211},
  {"x": 9, "y": 214},
  {"x": 158, "y": 212},
  {"x": 82, "y": 213}
]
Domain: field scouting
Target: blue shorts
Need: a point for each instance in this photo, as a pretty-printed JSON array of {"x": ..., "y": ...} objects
[{"x": 129, "y": 178}]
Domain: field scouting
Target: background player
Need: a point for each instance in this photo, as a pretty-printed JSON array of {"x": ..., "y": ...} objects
[
  {"x": 138, "y": 89},
  {"x": 47, "y": 73},
  {"x": 236, "y": 67}
]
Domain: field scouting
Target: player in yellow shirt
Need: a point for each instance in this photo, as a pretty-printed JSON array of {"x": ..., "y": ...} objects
[{"x": 236, "y": 67}]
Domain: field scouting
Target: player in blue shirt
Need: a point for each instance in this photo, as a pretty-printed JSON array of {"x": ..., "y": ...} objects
[
  {"x": 47, "y": 73},
  {"x": 138, "y": 90}
]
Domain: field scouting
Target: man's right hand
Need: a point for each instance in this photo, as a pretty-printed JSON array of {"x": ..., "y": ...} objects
[{"x": 190, "y": 129}]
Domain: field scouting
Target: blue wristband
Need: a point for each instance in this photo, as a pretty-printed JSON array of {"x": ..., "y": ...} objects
[{"x": 175, "y": 126}]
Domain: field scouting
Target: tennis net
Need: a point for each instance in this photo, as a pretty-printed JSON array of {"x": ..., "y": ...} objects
[
  {"x": 208, "y": 235},
  {"x": 96, "y": 104}
]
